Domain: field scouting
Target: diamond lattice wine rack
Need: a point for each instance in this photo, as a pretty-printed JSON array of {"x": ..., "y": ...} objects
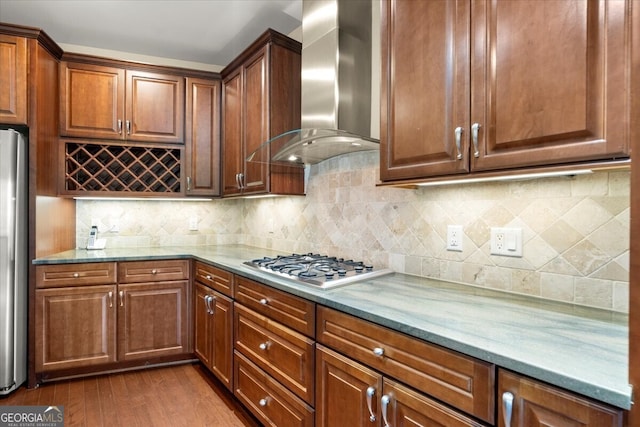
[{"x": 98, "y": 168}]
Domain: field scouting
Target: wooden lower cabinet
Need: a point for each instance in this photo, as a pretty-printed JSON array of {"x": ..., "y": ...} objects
[
  {"x": 351, "y": 394},
  {"x": 213, "y": 332},
  {"x": 273, "y": 404},
  {"x": 153, "y": 320},
  {"x": 534, "y": 404},
  {"x": 75, "y": 327}
]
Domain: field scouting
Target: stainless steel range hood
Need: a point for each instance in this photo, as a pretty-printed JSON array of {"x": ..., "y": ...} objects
[{"x": 336, "y": 85}]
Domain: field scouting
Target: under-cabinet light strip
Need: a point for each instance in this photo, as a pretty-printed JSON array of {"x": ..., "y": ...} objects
[
  {"x": 142, "y": 199},
  {"x": 508, "y": 177}
]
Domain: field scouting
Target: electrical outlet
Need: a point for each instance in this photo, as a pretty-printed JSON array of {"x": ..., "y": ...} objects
[
  {"x": 193, "y": 223},
  {"x": 454, "y": 238},
  {"x": 506, "y": 241}
]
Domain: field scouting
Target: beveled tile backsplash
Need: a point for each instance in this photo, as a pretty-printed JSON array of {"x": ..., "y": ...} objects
[{"x": 575, "y": 230}]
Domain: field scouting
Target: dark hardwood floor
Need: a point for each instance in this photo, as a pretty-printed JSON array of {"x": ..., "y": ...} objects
[{"x": 184, "y": 395}]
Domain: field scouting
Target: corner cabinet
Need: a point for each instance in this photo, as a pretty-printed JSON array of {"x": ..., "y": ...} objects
[
  {"x": 112, "y": 103},
  {"x": 526, "y": 402},
  {"x": 476, "y": 85},
  {"x": 13, "y": 79},
  {"x": 260, "y": 100}
]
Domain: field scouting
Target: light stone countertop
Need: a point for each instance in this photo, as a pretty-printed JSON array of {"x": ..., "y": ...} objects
[{"x": 580, "y": 349}]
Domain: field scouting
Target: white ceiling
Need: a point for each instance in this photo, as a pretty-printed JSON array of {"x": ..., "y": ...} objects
[{"x": 203, "y": 31}]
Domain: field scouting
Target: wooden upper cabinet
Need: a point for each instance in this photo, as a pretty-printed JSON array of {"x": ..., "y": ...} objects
[
  {"x": 537, "y": 404},
  {"x": 111, "y": 103},
  {"x": 425, "y": 87},
  {"x": 202, "y": 137},
  {"x": 154, "y": 107},
  {"x": 13, "y": 80},
  {"x": 260, "y": 100},
  {"x": 539, "y": 83}
]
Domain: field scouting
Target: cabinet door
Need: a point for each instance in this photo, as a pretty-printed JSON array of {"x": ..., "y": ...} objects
[
  {"x": 13, "y": 80},
  {"x": 91, "y": 101},
  {"x": 256, "y": 120},
  {"x": 549, "y": 81},
  {"x": 347, "y": 393},
  {"x": 152, "y": 320},
  {"x": 213, "y": 342},
  {"x": 425, "y": 88},
  {"x": 75, "y": 327},
  {"x": 403, "y": 407},
  {"x": 155, "y": 107},
  {"x": 202, "y": 137},
  {"x": 232, "y": 160},
  {"x": 536, "y": 404}
]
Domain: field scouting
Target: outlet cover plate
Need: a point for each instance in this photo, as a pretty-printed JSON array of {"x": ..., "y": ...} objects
[
  {"x": 506, "y": 241},
  {"x": 454, "y": 238}
]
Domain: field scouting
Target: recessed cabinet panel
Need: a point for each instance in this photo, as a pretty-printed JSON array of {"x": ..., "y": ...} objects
[
  {"x": 92, "y": 101},
  {"x": 13, "y": 79},
  {"x": 155, "y": 107},
  {"x": 548, "y": 82},
  {"x": 75, "y": 327},
  {"x": 153, "y": 320},
  {"x": 425, "y": 90}
]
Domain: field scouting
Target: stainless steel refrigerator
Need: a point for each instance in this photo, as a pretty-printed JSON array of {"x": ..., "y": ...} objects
[{"x": 13, "y": 259}]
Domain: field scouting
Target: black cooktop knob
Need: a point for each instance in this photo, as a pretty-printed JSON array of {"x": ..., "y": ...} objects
[
  {"x": 369, "y": 267},
  {"x": 358, "y": 268},
  {"x": 342, "y": 272},
  {"x": 329, "y": 275}
]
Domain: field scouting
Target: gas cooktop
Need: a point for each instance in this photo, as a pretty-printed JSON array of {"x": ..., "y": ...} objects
[{"x": 320, "y": 271}]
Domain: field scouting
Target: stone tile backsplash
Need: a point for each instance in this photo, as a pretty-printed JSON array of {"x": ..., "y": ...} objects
[{"x": 575, "y": 230}]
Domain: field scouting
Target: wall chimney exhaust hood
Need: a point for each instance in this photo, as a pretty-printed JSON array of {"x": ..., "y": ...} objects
[{"x": 336, "y": 86}]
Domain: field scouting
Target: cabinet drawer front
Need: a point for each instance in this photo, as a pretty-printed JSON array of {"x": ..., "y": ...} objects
[
  {"x": 215, "y": 278},
  {"x": 285, "y": 354},
  {"x": 407, "y": 407},
  {"x": 536, "y": 403},
  {"x": 153, "y": 271},
  {"x": 464, "y": 382},
  {"x": 65, "y": 275},
  {"x": 294, "y": 312},
  {"x": 269, "y": 401}
]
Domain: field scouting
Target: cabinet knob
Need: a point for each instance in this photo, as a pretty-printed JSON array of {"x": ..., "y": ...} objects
[
  {"x": 208, "y": 277},
  {"x": 263, "y": 401},
  {"x": 265, "y": 345},
  {"x": 264, "y": 301},
  {"x": 154, "y": 271},
  {"x": 378, "y": 351},
  {"x": 76, "y": 275}
]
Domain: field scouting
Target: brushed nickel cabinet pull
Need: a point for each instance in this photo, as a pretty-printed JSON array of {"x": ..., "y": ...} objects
[
  {"x": 188, "y": 183},
  {"x": 119, "y": 127},
  {"x": 475, "y": 129},
  {"x": 110, "y": 299},
  {"x": 121, "y": 294},
  {"x": 128, "y": 125},
  {"x": 384, "y": 400},
  {"x": 458, "y": 135},
  {"x": 507, "y": 408},
  {"x": 371, "y": 391}
]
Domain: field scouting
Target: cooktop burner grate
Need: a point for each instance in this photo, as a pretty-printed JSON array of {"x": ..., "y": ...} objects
[{"x": 318, "y": 270}]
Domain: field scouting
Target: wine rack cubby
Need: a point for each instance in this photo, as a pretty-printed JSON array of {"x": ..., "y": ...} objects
[{"x": 122, "y": 170}]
